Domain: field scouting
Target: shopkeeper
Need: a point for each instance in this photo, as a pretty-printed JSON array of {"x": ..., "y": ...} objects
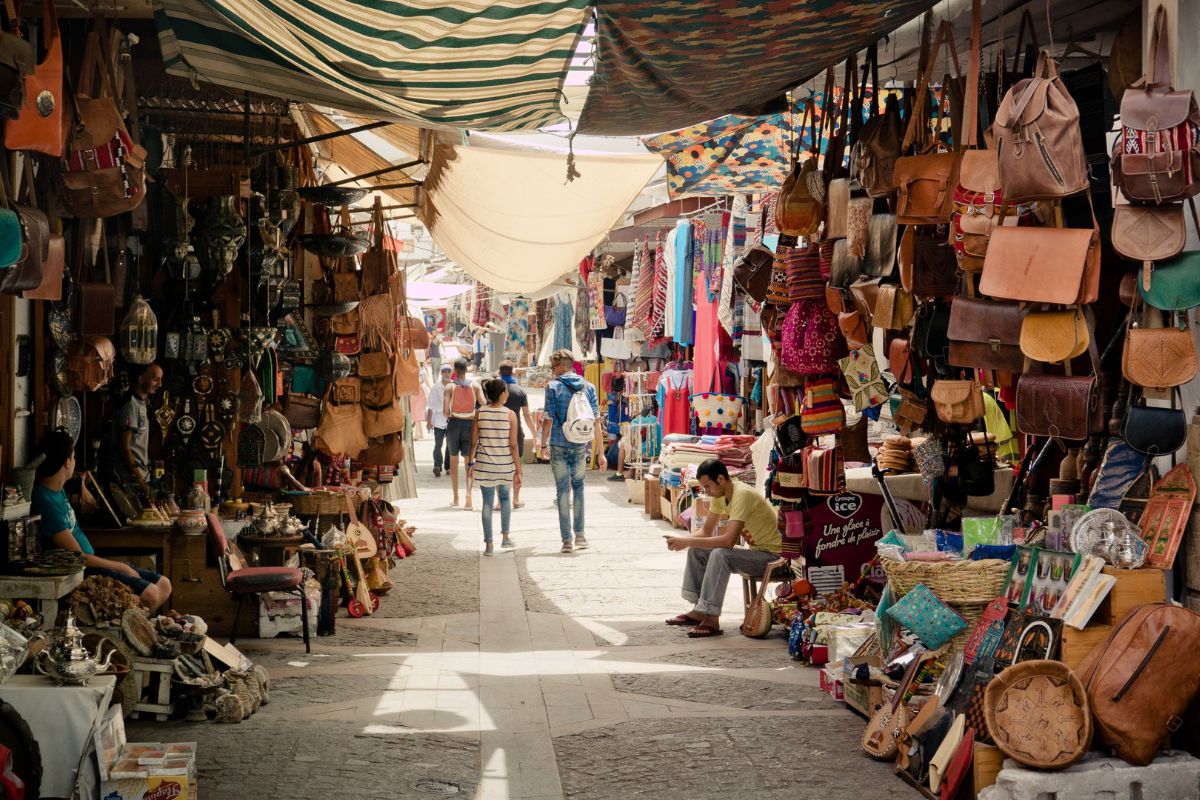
[
  {"x": 126, "y": 458},
  {"x": 714, "y": 555},
  {"x": 59, "y": 528}
]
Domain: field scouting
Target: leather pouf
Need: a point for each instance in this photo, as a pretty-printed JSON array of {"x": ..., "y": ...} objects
[{"x": 1038, "y": 714}]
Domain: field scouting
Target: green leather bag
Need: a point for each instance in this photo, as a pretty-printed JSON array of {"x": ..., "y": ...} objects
[
  {"x": 1174, "y": 283},
  {"x": 10, "y": 238}
]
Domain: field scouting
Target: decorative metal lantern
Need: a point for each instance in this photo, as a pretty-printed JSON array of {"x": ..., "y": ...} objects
[{"x": 139, "y": 333}]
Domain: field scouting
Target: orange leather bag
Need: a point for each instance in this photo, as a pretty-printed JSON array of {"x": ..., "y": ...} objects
[
  {"x": 1043, "y": 265},
  {"x": 39, "y": 125},
  {"x": 925, "y": 182}
]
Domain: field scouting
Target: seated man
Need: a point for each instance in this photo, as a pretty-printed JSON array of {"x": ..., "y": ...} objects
[
  {"x": 59, "y": 529},
  {"x": 713, "y": 556}
]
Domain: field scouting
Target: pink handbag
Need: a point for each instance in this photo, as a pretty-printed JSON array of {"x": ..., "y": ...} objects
[{"x": 811, "y": 341}]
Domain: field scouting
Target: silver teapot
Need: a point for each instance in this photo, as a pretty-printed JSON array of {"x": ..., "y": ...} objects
[{"x": 66, "y": 660}]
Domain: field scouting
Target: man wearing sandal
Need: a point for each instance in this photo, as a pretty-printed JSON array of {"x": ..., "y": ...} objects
[{"x": 714, "y": 555}]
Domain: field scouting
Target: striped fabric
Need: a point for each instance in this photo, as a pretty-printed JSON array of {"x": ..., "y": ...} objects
[
  {"x": 643, "y": 306},
  {"x": 659, "y": 314},
  {"x": 493, "y": 455},
  {"x": 485, "y": 64}
]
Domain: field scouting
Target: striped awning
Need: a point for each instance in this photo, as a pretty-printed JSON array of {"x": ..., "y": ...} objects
[{"x": 470, "y": 64}]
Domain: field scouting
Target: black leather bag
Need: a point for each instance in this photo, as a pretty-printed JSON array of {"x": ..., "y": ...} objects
[
  {"x": 1154, "y": 431},
  {"x": 931, "y": 331}
]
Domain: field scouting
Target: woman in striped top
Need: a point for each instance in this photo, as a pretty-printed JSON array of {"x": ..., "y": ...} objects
[{"x": 493, "y": 461}]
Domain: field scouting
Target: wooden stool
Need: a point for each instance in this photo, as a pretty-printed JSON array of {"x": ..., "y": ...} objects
[
  {"x": 155, "y": 674},
  {"x": 750, "y": 582}
]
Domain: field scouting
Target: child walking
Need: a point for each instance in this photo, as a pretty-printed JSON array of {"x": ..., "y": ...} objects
[{"x": 493, "y": 461}]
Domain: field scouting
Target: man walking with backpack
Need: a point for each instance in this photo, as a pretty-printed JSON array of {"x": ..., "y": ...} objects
[{"x": 568, "y": 427}]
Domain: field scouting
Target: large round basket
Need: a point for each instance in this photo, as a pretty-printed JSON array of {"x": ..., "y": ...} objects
[
  {"x": 1038, "y": 714},
  {"x": 311, "y": 504},
  {"x": 952, "y": 581}
]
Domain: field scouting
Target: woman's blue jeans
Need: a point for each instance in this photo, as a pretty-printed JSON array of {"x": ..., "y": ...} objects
[{"x": 489, "y": 498}]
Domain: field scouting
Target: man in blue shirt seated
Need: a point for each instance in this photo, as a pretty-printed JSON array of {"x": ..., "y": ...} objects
[{"x": 59, "y": 529}]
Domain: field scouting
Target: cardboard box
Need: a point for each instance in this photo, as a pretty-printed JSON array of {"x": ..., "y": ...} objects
[
  {"x": 279, "y": 612},
  {"x": 831, "y": 684},
  {"x": 142, "y": 770}
]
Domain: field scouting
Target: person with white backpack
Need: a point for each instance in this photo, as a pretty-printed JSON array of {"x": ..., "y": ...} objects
[{"x": 569, "y": 425}]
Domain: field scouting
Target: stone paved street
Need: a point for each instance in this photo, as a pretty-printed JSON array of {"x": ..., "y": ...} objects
[{"x": 534, "y": 675}]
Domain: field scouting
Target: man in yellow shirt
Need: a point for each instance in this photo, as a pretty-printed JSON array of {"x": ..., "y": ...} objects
[{"x": 714, "y": 555}]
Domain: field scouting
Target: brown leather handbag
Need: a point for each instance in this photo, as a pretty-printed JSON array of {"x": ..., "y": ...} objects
[
  {"x": 925, "y": 182},
  {"x": 854, "y": 328},
  {"x": 39, "y": 125},
  {"x": 1039, "y": 146},
  {"x": 302, "y": 410},
  {"x": 90, "y": 363},
  {"x": 900, "y": 360},
  {"x": 1043, "y": 265},
  {"x": 957, "y": 402},
  {"x": 1158, "y": 358},
  {"x": 409, "y": 329},
  {"x": 928, "y": 267},
  {"x": 752, "y": 270},
  {"x": 873, "y": 156},
  {"x": 52, "y": 271},
  {"x": 378, "y": 263},
  {"x": 1142, "y": 678},
  {"x": 28, "y": 273},
  {"x": 1067, "y": 407},
  {"x": 384, "y": 451},
  {"x": 340, "y": 431},
  {"x": 985, "y": 334}
]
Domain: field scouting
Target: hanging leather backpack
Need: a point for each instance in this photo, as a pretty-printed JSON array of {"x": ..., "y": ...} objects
[
  {"x": 799, "y": 210},
  {"x": 873, "y": 156},
  {"x": 1157, "y": 157},
  {"x": 1039, "y": 146},
  {"x": 104, "y": 172}
]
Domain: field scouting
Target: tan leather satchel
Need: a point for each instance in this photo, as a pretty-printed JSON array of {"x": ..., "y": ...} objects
[
  {"x": 1043, "y": 265},
  {"x": 1054, "y": 336},
  {"x": 893, "y": 308},
  {"x": 957, "y": 402},
  {"x": 1149, "y": 233},
  {"x": 925, "y": 183},
  {"x": 837, "y": 206},
  {"x": 1158, "y": 358}
]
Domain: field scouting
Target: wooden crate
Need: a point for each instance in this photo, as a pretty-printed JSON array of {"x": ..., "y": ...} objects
[
  {"x": 985, "y": 766},
  {"x": 653, "y": 503},
  {"x": 860, "y": 698},
  {"x": 1134, "y": 587}
]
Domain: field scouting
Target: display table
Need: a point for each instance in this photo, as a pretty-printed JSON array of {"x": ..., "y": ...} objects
[
  {"x": 61, "y": 718},
  {"x": 134, "y": 541},
  {"x": 910, "y": 487},
  {"x": 46, "y": 590}
]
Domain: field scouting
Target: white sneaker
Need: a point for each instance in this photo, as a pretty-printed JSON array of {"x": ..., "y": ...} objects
[
  {"x": 580, "y": 542},
  {"x": 566, "y": 548},
  {"x": 507, "y": 543}
]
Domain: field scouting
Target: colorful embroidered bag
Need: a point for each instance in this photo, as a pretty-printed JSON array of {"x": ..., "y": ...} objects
[
  {"x": 717, "y": 414},
  {"x": 931, "y": 620},
  {"x": 822, "y": 412},
  {"x": 811, "y": 343}
]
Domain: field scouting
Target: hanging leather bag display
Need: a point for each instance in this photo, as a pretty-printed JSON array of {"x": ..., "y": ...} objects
[
  {"x": 1153, "y": 430},
  {"x": 1167, "y": 280},
  {"x": 384, "y": 451},
  {"x": 302, "y": 410},
  {"x": 1053, "y": 337},
  {"x": 1043, "y": 265},
  {"x": 880, "y": 258},
  {"x": 377, "y": 263},
  {"x": 1156, "y": 159},
  {"x": 957, "y": 402},
  {"x": 407, "y": 327},
  {"x": 1173, "y": 285},
  {"x": 798, "y": 210},
  {"x": 1158, "y": 358},
  {"x": 39, "y": 125},
  {"x": 925, "y": 182},
  {"x": 1039, "y": 146},
  {"x": 104, "y": 171},
  {"x": 1067, "y": 407},
  {"x": 893, "y": 308},
  {"x": 1149, "y": 233},
  {"x": 985, "y": 334}
]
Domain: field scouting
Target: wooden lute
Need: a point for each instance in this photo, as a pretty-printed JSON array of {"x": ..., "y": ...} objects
[{"x": 879, "y": 739}]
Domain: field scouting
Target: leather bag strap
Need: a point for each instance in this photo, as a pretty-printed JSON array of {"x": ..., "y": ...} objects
[
  {"x": 970, "y": 137},
  {"x": 917, "y": 119},
  {"x": 1158, "y": 65}
]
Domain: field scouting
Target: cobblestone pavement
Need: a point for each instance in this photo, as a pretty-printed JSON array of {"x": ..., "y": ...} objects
[{"x": 534, "y": 675}]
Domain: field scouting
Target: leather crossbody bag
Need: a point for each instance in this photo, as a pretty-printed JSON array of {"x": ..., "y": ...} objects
[
  {"x": 925, "y": 183},
  {"x": 1158, "y": 358},
  {"x": 1153, "y": 430},
  {"x": 1043, "y": 265},
  {"x": 1067, "y": 407},
  {"x": 957, "y": 402},
  {"x": 928, "y": 267},
  {"x": 1054, "y": 336}
]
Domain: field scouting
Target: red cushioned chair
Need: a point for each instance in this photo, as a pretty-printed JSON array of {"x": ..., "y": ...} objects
[{"x": 244, "y": 581}]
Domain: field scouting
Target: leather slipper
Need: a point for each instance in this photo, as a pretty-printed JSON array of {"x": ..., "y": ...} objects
[
  {"x": 703, "y": 632},
  {"x": 682, "y": 619}
]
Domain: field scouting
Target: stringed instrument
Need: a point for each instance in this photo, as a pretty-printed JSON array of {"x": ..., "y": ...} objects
[
  {"x": 880, "y": 737},
  {"x": 757, "y": 622}
]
